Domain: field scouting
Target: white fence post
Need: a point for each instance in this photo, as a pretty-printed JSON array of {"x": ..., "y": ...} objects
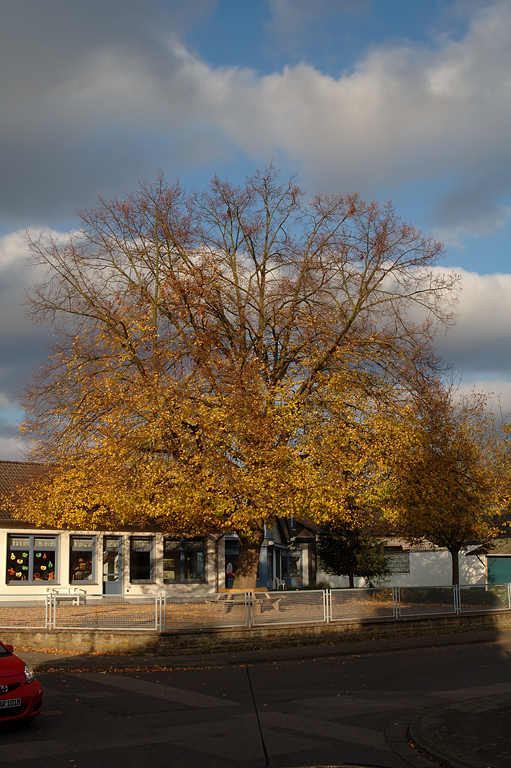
[
  {"x": 48, "y": 611},
  {"x": 249, "y": 608},
  {"x": 457, "y": 598}
]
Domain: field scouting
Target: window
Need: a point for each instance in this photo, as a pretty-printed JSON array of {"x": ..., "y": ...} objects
[
  {"x": 183, "y": 560},
  {"x": 31, "y": 558},
  {"x": 81, "y": 559},
  {"x": 141, "y": 559}
]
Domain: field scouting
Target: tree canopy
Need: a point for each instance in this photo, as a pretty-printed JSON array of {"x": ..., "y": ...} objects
[
  {"x": 193, "y": 330},
  {"x": 446, "y": 477},
  {"x": 352, "y": 551}
]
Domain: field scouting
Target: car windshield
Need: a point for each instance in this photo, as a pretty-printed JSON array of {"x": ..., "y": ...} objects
[{"x": 4, "y": 651}]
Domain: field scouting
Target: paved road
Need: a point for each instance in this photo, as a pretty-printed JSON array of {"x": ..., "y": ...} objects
[{"x": 323, "y": 711}]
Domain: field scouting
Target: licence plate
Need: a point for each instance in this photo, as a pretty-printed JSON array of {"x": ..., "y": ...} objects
[{"x": 10, "y": 703}]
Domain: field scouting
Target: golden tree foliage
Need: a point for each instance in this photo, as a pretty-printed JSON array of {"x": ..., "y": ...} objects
[
  {"x": 445, "y": 474},
  {"x": 341, "y": 446},
  {"x": 192, "y": 333}
]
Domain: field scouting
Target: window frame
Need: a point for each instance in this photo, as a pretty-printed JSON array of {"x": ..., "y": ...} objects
[
  {"x": 151, "y": 579},
  {"x": 31, "y": 557},
  {"x": 183, "y": 550},
  {"x": 92, "y": 550}
]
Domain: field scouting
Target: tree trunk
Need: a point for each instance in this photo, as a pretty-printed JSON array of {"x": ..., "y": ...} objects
[
  {"x": 351, "y": 580},
  {"x": 248, "y": 560},
  {"x": 455, "y": 550}
]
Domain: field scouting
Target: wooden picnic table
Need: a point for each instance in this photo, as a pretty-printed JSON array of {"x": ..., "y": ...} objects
[{"x": 260, "y": 600}]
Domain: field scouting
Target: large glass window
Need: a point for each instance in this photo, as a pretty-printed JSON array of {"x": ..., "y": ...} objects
[
  {"x": 81, "y": 559},
  {"x": 141, "y": 559},
  {"x": 183, "y": 560},
  {"x": 31, "y": 558}
]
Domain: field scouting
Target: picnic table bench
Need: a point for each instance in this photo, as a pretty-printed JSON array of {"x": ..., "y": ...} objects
[
  {"x": 75, "y": 595},
  {"x": 260, "y": 603},
  {"x": 261, "y": 600}
]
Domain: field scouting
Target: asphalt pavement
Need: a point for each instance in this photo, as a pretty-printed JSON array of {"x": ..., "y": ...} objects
[{"x": 389, "y": 703}]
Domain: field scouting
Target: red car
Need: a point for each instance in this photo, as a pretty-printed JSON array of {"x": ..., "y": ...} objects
[{"x": 21, "y": 696}]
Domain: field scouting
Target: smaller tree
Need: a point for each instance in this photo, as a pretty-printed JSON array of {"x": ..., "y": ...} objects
[
  {"x": 351, "y": 552},
  {"x": 446, "y": 476}
]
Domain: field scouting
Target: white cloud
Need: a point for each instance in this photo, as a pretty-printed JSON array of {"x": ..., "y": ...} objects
[
  {"x": 127, "y": 103},
  {"x": 405, "y": 113},
  {"x": 22, "y": 345},
  {"x": 294, "y": 22},
  {"x": 15, "y": 277},
  {"x": 12, "y": 449},
  {"x": 479, "y": 345},
  {"x": 497, "y": 390}
]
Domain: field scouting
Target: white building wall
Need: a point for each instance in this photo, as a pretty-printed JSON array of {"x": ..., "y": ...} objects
[
  {"x": 62, "y": 582},
  {"x": 428, "y": 568},
  {"x": 62, "y": 564}
]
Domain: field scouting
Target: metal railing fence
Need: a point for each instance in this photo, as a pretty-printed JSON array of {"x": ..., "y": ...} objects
[
  {"x": 487, "y": 597},
  {"x": 25, "y": 612},
  {"x": 426, "y": 601},
  {"x": 224, "y": 609},
  {"x": 293, "y": 607},
  {"x": 169, "y": 613},
  {"x": 106, "y": 612},
  {"x": 357, "y": 604}
]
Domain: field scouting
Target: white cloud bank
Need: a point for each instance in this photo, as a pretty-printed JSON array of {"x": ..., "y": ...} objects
[
  {"x": 135, "y": 98},
  {"x": 479, "y": 345}
]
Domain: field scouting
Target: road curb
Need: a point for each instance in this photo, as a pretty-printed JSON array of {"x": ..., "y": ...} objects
[
  {"x": 416, "y": 741},
  {"x": 396, "y": 736},
  {"x": 275, "y": 655}
]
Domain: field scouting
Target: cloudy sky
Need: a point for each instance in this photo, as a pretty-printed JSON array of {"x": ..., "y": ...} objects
[{"x": 406, "y": 99}]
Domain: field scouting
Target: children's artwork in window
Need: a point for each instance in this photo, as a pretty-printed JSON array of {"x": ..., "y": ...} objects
[{"x": 31, "y": 558}]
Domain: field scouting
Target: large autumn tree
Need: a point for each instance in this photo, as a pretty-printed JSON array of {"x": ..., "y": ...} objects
[
  {"x": 444, "y": 478},
  {"x": 192, "y": 330}
]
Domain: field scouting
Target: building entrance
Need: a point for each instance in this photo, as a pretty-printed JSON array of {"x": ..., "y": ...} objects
[{"x": 112, "y": 565}]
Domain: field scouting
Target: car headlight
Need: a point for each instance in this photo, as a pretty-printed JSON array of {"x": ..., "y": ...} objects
[{"x": 29, "y": 674}]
